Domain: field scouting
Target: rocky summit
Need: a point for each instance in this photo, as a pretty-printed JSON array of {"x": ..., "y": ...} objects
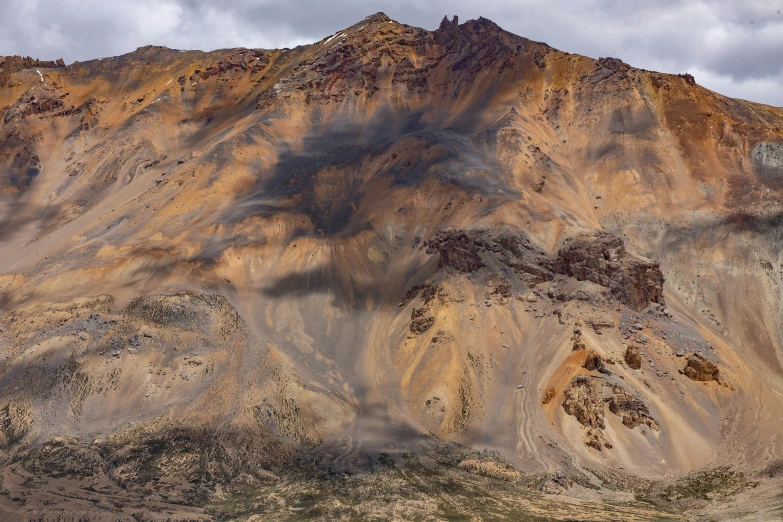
[{"x": 396, "y": 274}]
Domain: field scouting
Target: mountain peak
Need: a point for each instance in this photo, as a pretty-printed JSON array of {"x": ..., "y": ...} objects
[
  {"x": 445, "y": 23},
  {"x": 379, "y": 17}
]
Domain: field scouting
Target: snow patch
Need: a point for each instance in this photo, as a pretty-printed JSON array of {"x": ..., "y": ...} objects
[
  {"x": 39, "y": 74},
  {"x": 168, "y": 82},
  {"x": 333, "y": 37}
]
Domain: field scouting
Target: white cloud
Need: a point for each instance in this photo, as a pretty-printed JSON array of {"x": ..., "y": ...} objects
[{"x": 752, "y": 89}]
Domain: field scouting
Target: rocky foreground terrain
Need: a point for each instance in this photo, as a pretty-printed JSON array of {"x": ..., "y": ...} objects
[{"x": 397, "y": 274}]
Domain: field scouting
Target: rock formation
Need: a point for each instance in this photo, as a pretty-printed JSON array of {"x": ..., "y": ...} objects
[
  {"x": 631, "y": 409},
  {"x": 583, "y": 399},
  {"x": 632, "y": 357},
  {"x": 602, "y": 259},
  {"x": 700, "y": 369},
  {"x": 12, "y": 64}
]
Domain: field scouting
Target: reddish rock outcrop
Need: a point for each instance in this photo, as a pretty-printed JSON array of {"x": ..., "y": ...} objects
[
  {"x": 632, "y": 357},
  {"x": 583, "y": 399},
  {"x": 698, "y": 368}
]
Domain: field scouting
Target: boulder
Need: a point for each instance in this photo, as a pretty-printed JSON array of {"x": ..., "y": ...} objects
[
  {"x": 632, "y": 357},
  {"x": 593, "y": 361},
  {"x": 550, "y": 394},
  {"x": 698, "y": 368},
  {"x": 577, "y": 343}
]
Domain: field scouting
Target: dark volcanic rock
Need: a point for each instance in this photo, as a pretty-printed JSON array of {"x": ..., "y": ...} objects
[
  {"x": 603, "y": 260},
  {"x": 600, "y": 259},
  {"x": 421, "y": 325},
  {"x": 457, "y": 250},
  {"x": 528, "y": 261},
  {"x": 467, "y": 251},
  {"x": 38, "y": 101}
]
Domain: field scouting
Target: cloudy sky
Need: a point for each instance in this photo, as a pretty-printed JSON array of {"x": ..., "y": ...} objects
[{"x": 734, "y": 47}]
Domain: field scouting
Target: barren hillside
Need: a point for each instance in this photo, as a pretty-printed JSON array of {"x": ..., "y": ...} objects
[{"x": 395, "y": 274}]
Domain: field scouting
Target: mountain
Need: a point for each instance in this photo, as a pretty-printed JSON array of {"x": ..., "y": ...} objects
[{"x": 395, "y": 274}]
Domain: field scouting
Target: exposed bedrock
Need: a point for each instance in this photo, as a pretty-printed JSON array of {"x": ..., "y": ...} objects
[
  {"x": 630, "y": 409},
  {"x": 600, "y": 258},
  {"x": 585, "y": 398},
  {"x": 698, "y": 368}
]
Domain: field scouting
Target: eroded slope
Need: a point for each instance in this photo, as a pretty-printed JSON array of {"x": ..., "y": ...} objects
[{"x": 250, "y": 272}]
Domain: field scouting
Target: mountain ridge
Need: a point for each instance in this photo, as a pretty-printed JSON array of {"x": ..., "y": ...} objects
[{"x": 380, "y": 16}]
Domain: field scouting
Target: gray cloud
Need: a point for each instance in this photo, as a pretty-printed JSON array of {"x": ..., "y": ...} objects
[{"x": 730, "y": 46}]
